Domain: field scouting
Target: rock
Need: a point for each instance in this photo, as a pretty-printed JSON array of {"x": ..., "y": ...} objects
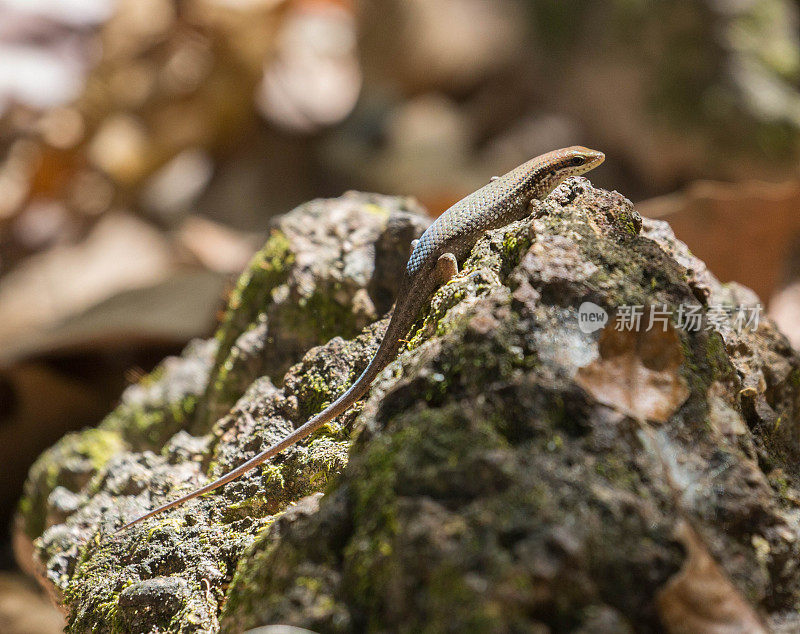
[
  {"x": 306, "y": 285},
  {"x": 150, "y": 601},
  {"x": 479, "y": 486}
]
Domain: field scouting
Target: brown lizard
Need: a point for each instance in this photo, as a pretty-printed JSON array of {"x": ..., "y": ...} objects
[{"x": 434, "y": 260}]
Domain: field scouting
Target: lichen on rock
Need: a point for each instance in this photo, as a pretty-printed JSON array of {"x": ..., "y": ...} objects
[{"x": 480, "y": 486}]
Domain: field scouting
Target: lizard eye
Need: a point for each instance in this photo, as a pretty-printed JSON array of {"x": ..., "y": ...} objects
[{"x": 578, "y": 160}]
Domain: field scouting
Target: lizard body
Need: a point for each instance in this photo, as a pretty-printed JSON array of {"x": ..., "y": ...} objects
[{"x": 433, "y": 261}]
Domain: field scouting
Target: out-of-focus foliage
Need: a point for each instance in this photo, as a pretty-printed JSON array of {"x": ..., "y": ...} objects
[
  {"x": 172, "y": 83},
  {"x": 671, "y": 90}
]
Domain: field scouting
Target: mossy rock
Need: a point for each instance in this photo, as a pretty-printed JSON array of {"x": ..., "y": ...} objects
[{"x": 482, "y": 485}]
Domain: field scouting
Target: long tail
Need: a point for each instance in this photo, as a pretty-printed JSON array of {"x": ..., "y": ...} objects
[{"x": 398, "y": 326}]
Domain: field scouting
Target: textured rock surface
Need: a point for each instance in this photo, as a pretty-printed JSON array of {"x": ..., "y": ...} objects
[
  {"x": 485, "y": 488},
  {"x": 328, "y": 267}
]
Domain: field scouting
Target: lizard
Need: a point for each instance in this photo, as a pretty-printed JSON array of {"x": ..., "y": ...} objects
[{"x": 433, "y": 262}]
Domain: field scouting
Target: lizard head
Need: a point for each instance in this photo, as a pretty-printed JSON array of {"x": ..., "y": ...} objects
[
  {"x": 578, "y": 159},
  {"x": 555, "y": 167}
]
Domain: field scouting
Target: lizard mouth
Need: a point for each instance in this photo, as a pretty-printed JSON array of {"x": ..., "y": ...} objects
[{"x": 593, "y": 159}]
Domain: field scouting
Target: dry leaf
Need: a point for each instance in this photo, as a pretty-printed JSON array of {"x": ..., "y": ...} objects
[
  {"x": 638, "y": 371},
  {"x": 700, "y": 599}
]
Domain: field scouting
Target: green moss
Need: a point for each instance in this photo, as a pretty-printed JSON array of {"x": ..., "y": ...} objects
[
  {"x": 249, "y": 588},
  {"x": 446, "y": 298},
  {"x": 717, "y": 356},
  {"x": 409, "y": 454},
  {"x": 273, "y": 476},
  {"x": 515, "y": 245},
  {"x": 618, "y": 472},
  {"x": 145, "y": 420},
  {"x": 302, "y": 471},
  {"x": 452, "y": 600},
  {"x": 627, "y": 221},
  {"x": 99, "y": 611},
  {"x": 705, "y": 360},
  {"x": 168, "y": 522},
  {"x": 96, "y": 446},
  {"x": 637, "y": 275},
  {"x": 268, "y": 268},
  {"x": 150, "y": 425},
  {"x": 781, "y": 484},
  {"x": 794, "y": 378},
  {"x": 322, "y": 317},
  {"x": 315, "y": 392},
  {"x": 377, "y": 210},
  {"x": 254, "y": 507},
  {"x": 477, "y": 362},
  {"x": 555, "y": 444}
]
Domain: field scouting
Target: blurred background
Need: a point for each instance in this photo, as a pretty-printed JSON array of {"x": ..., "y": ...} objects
[{"x": 145, "y": 144}]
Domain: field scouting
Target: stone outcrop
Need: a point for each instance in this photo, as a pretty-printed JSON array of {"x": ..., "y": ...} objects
[{"x": 510, "y": 471}]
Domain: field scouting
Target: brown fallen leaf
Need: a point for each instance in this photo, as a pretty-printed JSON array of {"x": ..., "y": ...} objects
[
  {"x": 638, "y": 371},
  {"x": 121, "y": 252},
  {"x": 700, "y": 599}
]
